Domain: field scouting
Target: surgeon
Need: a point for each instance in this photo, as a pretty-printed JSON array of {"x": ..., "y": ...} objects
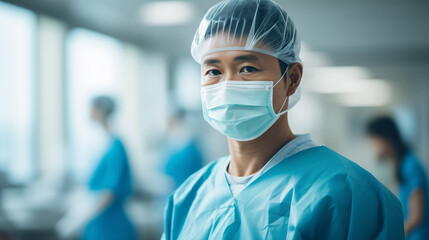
[
  {"x": 413, "y": 183},
  {"x": 274, "y": 184},
  {"x": 111, "y": 182}
]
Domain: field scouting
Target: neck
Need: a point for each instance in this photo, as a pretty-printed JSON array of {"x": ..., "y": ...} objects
[
  {"x": 395, "y": 156},
  {"x": 106, "y": 127},
  {"x": 249, "y": 157}
]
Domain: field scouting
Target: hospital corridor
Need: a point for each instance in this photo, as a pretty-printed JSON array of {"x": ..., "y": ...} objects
[{"x": 214, "y": 119}]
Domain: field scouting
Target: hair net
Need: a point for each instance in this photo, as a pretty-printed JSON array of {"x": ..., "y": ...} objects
[
  {"x": 253, "y": 25},
  {"x": 105, "y": 105}
]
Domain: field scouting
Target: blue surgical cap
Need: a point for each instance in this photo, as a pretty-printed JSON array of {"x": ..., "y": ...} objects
[{"x": 253, "y": 25}]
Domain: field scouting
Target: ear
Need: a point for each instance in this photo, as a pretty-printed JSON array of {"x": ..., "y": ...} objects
[{"x": 294, "y": 75}]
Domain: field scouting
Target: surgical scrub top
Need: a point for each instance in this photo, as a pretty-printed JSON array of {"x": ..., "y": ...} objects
[
  {"x": 313, "y": 194},
  {"x": 413, "y": 177},
  {"x": 298, "y": 144},
  {"x": 183, "y": 161},
  {"x": 112, "y": 173}
]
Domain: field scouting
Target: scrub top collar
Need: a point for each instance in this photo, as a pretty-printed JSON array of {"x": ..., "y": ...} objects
[
  {"x": 257, "y": 185},
  {"x": 291, "y": 149},
  {"x": 296, "y": 145}
]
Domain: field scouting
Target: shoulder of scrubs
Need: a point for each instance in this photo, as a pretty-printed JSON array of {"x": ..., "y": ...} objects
[
  {"x": 182, "y": 197},
  {"x": 331, "y": 197},
  {"x": 373, "y": 211},
  {"x": 412, "y": 173},
  {"x": 195, "y": 180},
  {"x": 113, "y": 172}
]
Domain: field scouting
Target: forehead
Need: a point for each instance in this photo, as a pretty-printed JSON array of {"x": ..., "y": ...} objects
[{"x": 237, "y": 56}]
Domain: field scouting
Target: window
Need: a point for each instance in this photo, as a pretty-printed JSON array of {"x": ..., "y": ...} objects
[
  {"x": 17, "y": 93},
  {"x": 93, "y": 62}
]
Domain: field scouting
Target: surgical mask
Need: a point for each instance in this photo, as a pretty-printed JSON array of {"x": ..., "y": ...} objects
[{"x": 243, "y": 110}]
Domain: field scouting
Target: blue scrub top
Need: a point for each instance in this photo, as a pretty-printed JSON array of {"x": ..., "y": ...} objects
[
  {"x": 113, "y": 173},
  {"x": 413, "y": 178},
  {"x": 183, "y": 162},
  {"x": 314, "y": 194}
]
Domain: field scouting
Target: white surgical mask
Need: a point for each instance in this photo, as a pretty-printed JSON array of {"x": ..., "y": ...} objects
[{"x": 243, "y": 110}]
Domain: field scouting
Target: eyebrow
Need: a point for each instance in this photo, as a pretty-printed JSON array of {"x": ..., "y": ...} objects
[
  {"x": 210, "y": 61},
  {"x": 242, "y": 58}
]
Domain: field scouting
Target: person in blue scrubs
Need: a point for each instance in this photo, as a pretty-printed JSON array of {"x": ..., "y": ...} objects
[
  {"x": 112, "y": 180},
  {"x": 183, "y": 161},
  {"x": 274, "y": 184},
  {"x": 413, "y": 183},
  {"x": 182, "y": 154}
]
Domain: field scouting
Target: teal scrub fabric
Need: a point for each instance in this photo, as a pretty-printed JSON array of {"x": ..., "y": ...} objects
[
  {"x": 314, "y": 194},
  {"x": 183, "y": 162},
  {"x": 413, "y": 178},
  {"x": 112, "y": 173}
]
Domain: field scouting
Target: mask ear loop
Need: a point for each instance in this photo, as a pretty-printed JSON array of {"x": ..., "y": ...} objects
[{"x": 280, "y": 111}]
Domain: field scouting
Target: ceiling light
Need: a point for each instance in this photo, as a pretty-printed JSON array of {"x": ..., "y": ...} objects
[
  {"x": 330, "y": 80},
  {"x": 167, "y": 13},
  {"x": 374, "y": 94}
]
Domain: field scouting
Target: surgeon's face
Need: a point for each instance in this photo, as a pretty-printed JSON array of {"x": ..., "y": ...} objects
[{"x": 250, "y": 66}]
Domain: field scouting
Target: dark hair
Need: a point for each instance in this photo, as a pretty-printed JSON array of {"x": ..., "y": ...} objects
[
  {"x": 104, "y": 104},
  {"x": 283, "y": 68},
  {"x": 387, "y": 129},
  {"x": 242, "y": 19}
]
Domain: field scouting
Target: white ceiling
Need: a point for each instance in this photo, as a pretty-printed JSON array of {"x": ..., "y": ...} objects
[{"x": 364, "y": 32}]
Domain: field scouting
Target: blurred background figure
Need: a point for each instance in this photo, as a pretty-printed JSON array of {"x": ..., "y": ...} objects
[
  {"x": 413, "y": 183},
  {"x": 360, "y": 59},
  {"x": 112, "y": 177},
  {"x": 100, "y": 212},
  {"x": 182, "y": 154}
]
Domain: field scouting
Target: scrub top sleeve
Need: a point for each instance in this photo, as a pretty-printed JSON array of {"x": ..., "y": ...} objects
[
  {"x": 115, "y": 164},
  {"x": 413, "y": 175},
  {"x": 327, "y": 211},
  {"x": 392, "y": 225},
  {"x": 335, "y": 213},
  {"x": 376, "y": 213}
]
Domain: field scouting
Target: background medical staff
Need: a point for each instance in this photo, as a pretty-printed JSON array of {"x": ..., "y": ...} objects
[
  {"x": 112, "y": 178},
  {"x": 182, "y": 155},
  {"x": 413, "y": 192}
]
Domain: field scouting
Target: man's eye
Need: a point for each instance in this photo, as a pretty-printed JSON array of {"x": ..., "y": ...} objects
[
  {"x": 248, "y": 69},
  {"x": 213, "y": 72}
]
